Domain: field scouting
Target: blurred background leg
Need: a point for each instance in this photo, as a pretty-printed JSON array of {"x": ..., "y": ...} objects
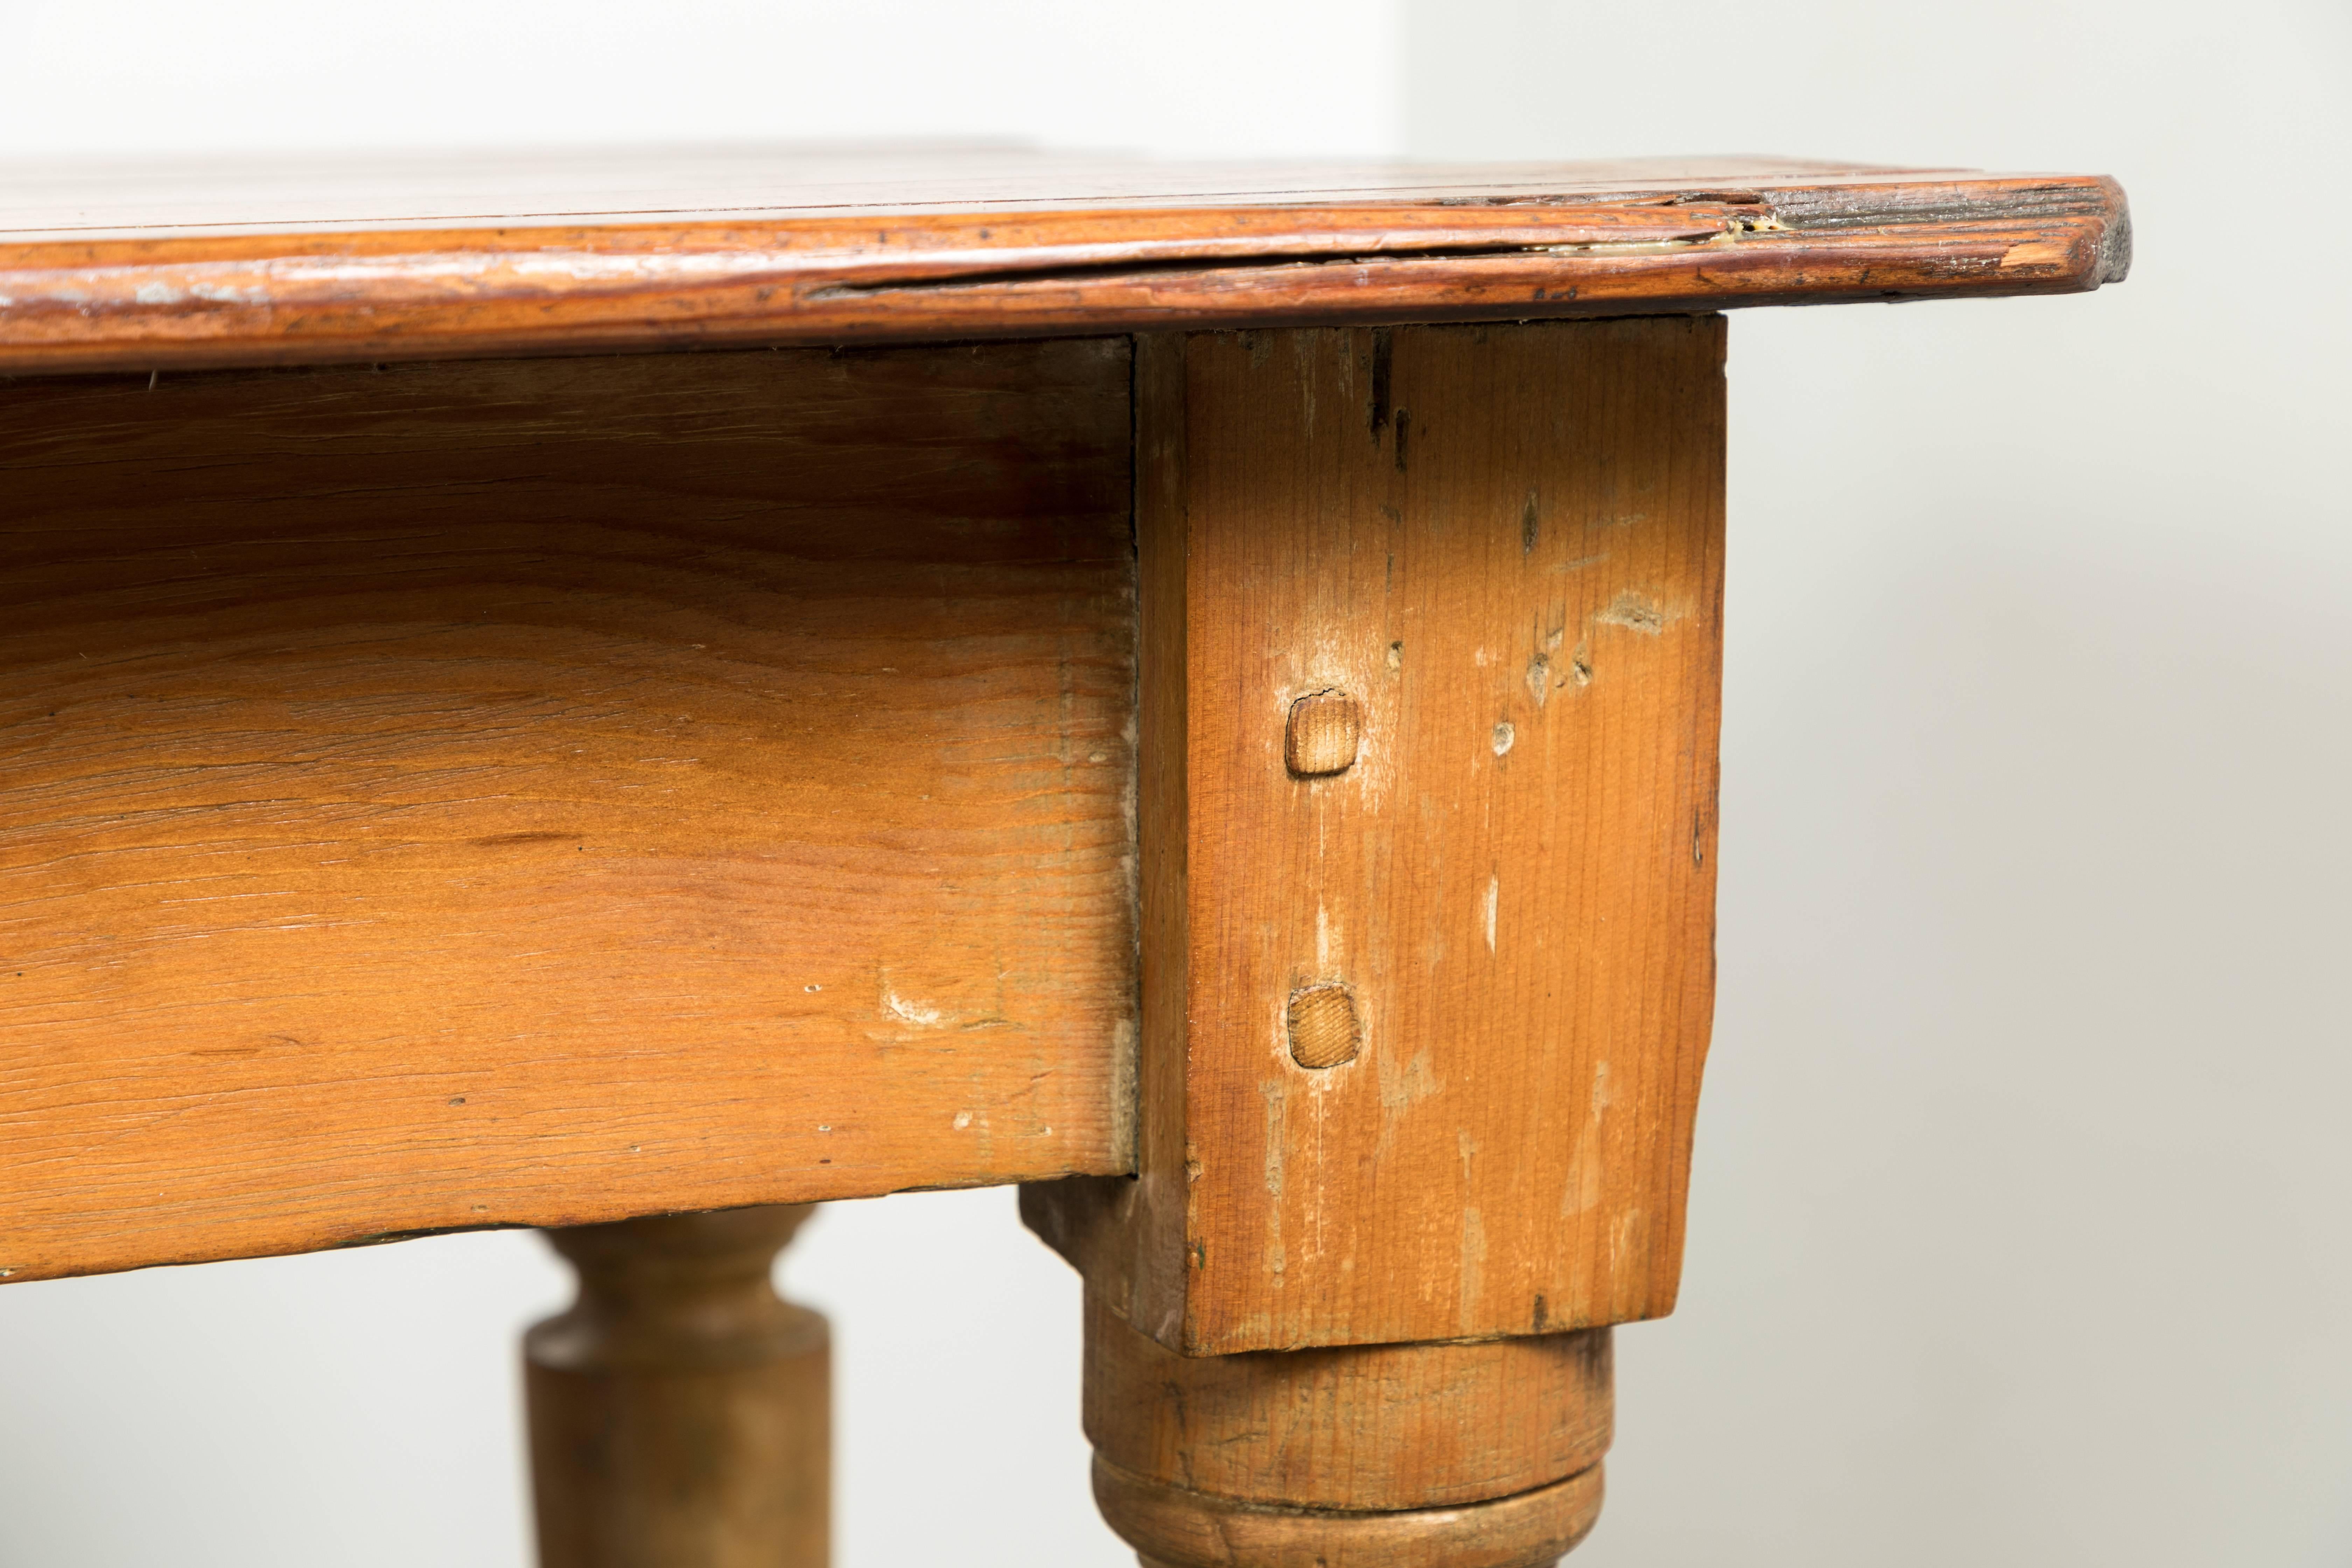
[{"x": 680, "y": 1412}]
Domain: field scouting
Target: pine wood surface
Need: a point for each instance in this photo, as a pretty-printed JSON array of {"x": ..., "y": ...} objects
[
  {"x": 680, "y": 1413},
  {"x": 1505, "y": 546},
  {"x": 108, "y": 267},
  {"x": 531, "y": 792}
]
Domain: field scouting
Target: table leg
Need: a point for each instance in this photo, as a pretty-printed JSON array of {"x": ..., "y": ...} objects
[
  {"x": 1454, "y": 1456},
  {"x": 680, "y": 1412},
  {"x": 1431, "y": 635}
]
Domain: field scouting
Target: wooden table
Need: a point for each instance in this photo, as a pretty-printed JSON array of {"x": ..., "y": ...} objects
[{"x": 548, "y": 692}]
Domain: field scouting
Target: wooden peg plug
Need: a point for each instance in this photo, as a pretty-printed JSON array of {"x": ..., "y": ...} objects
[
  {"x": 1325, "y": 1031},
  {"x": 1325, "y": 730}
]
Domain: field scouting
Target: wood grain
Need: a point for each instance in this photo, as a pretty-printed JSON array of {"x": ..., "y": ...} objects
[
  {"x": 1357, "y": 1427},
  {"x": 680, "y": 1413},
  {"x": 1175, "y": 1527},
  {"x": 176, "y": 266},
  {"x": 538, "y": 792},
  {"x": 1505, "y": 546}
]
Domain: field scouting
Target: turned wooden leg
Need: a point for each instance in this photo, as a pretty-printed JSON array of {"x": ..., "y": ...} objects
[
  {"x": 1445, "y": 1456},
  {"x": 680, "y": 1413}
]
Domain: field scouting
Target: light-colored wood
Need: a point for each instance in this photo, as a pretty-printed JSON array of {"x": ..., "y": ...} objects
[
  {"x": 415, "y": 257},
  {"x": 1505, "y": 546},
  {"x": 1324, "y": 1027},
  {"x": 1323, "y": 734},
  {"x": 538, "y": 793},
  {"x": 680, "y": 1413},
  {"x": 1355, "y": 1427},
  {"x": 1174, "y": 1528}
]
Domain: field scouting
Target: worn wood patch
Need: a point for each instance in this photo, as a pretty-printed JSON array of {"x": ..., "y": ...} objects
[
  {"x": 1425, "y": 1029},
  {"x": 536, "y": 792}
]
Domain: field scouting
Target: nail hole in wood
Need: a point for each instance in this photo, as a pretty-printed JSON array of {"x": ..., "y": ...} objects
[{"x": 1324, "y": 1029}]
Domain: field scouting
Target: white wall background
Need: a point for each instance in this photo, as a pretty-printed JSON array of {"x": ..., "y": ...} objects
[
  {"x": 2020, "y": 1221},
  {"x": 1228, "y": 77}
]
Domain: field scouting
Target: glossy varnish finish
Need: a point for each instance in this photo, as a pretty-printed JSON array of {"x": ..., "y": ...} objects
[
  {"x": 378, "y": 260},
  {"x": 542, "y": 792},
  {"x": 1505, "y": 547}
]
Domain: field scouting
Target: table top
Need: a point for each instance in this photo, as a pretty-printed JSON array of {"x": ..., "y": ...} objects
[{"x": 121, "y": 266}]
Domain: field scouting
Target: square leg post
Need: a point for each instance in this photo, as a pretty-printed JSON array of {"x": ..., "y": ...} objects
[{"x": 1431, "y": 640}]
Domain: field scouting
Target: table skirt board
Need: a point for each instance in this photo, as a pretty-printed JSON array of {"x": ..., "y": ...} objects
[{"x": 527, "y": 792}]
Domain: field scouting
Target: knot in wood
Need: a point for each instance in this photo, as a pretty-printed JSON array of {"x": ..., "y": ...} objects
[
  {"x": 1322, "y": 738},
  {"x": 1324, "y": 1029}
]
